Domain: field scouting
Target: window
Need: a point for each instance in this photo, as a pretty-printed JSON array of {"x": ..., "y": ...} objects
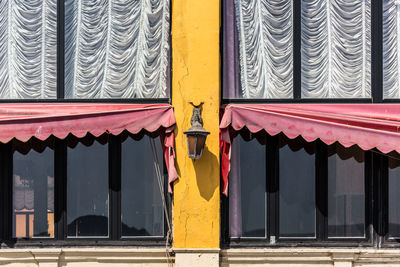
[
  {"x": 104, "y": 189},
  {"x": 33, "y": 194},
  {"x": 289, "y": 191},
  {"x": 87, "y": 190},
  {"x": 248, "y": 210},
  {"x": 77, "y": 51},
  {"x": 141, "y": 204},
  {"x": 296, "y": 189},
  {"x": 84, "y": 49},
  {"x": 310, "y": 51},
  {"x": 346, "y": 192}
]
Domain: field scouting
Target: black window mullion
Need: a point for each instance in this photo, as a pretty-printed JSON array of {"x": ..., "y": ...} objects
[
  {"x": 297, "y": 49},
  {"x": 60, "y": 190},
  {"x": 60, "y": 48},
  {"x": 6, "y": 188},
  {"x": 369, "y": 229},
  {"x": 376, "y": 51},
  {"x": 272, "y": 183},
  {"x": 114, "y": 160},
  {"x": 321, "y": 190},
  {"x": 380, "y": 198}
]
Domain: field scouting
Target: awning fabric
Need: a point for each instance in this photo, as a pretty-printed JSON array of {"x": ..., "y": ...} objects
[
  {"x": 41, "y": 120},
  {"x": 366, "y": 125}
]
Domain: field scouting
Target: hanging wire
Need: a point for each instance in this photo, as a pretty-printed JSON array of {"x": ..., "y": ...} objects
[{"x": 161, "y": 187}]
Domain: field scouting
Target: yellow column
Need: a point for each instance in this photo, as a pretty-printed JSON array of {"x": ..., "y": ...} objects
[{"x": 196, "y": 78}]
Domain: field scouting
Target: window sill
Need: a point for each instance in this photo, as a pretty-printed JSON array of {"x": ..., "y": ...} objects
[{"x": 87, "y": 242}]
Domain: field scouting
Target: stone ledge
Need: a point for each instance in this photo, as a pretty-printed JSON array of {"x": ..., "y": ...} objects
[
  {"x": 310, "y": 255},
  {"x": 101, "y": 255}
]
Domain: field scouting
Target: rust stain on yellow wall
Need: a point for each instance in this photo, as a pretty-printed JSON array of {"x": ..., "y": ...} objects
[{"x": 196, "y": 78}]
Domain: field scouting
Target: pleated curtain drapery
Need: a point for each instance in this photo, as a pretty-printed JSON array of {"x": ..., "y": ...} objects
[
  {"x": 28, "y": 49},
  {"x": 113, "y": 49},
  {"x": 265, "y": 35},
  {"x": 116, "y": 49},
  {"x": 335, "y": 48}
]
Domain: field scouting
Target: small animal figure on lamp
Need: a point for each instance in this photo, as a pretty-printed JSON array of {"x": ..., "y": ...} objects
[{"x": 196, "y": 119}]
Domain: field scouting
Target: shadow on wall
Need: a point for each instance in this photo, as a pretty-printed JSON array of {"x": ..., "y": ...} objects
[{"x": 207, "y": 174}]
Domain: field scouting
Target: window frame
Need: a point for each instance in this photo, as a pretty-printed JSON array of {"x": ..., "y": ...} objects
[
  {"x": 60, "y": 168},
  {"x": 321, "y": 201},
  {"x": 60, "y": 202},
  {"x": 376, "y": 163}
]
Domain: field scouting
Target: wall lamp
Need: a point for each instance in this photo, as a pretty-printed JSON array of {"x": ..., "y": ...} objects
[{"x": 196, "y": 135}]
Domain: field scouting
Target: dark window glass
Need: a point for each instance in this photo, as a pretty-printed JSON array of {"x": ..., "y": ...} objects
[
  {"x": 296, "y": 188},
  {"x": 247, "y": 189},
  {"x": 394, "y": 196},
  {"x": 87, "y": 190},
  {"x": 346, "y": 193},
  {"x": 33, "y": 194},
  {"x": 142, "y": 208}
]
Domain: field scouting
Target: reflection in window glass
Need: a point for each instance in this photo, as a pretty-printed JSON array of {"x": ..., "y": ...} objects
[
  {"x": 296, "y": 188},
  {"x": 142, "y": 208},
  {"x": 33, "y": 194},
  {"x": 346, "y": 193},
  {"x": 247, "y": 189},
  {"x": 87, "y": 190},
  {"x": 394, "y": 196}
]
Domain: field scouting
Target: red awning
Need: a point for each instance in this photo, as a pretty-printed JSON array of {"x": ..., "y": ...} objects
[
  {"x": 41, "y": 120},
  {"x": 366, "y": 125}
]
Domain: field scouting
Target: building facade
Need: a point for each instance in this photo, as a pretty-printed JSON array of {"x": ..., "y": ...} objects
[{"x": 301, "y": 165}]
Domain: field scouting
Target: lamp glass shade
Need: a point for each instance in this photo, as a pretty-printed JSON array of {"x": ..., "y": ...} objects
[
  {"x": 201, "y": 140},
  {"x": 196, "y": 142},
  {"x": 191, "y": 144}
]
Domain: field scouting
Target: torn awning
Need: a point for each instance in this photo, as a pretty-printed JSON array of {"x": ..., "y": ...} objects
[
  {"x": 366, "y": 125},
  {"x": 41, "y": 120}
]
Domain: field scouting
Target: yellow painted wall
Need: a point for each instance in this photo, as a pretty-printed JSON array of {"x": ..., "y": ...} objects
[{"x": 196, "y": 78}]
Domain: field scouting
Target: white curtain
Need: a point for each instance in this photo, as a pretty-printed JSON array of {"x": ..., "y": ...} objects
[
  {"x": 116, "y": 48},
  {"x": 335, "y": 48},
  {"x": 265, "y": 37},
  {"x": 391, "y": 49},
  {"x": 28, "y": 43}
]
